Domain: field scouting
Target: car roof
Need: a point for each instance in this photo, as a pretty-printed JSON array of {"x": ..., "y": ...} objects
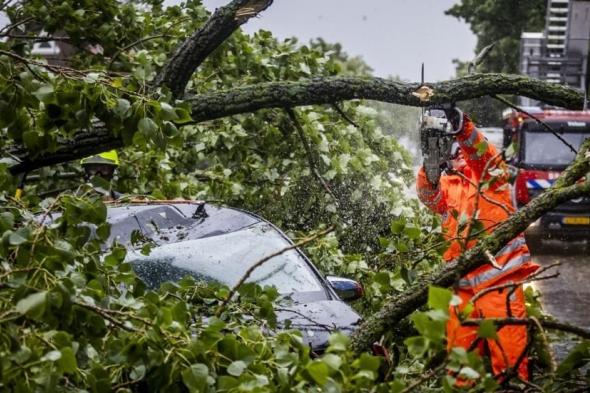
[{"x": 173, "y": 221}]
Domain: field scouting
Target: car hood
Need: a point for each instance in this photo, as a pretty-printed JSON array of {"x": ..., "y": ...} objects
[{"x": 317, "y": 320}]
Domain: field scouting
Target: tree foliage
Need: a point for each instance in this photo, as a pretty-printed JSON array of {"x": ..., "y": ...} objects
[
  {"x": 298, "y": 148},
  {"x": 500, "y": 22}
]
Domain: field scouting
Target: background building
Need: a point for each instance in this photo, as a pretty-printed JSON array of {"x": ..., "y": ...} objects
[{"x": 560, "y": 53}]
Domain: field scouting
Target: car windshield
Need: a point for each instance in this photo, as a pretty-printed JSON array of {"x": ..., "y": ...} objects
[
  {"x": 225, "y": 258},
  {"x": 544, "y": 149}
]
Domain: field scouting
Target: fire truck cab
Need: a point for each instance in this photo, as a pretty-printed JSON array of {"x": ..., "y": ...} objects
[{"x": 539, "y": 157}]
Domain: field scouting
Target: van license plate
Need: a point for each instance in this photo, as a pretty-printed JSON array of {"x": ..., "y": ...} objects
[{"x": 576, "y": 220}]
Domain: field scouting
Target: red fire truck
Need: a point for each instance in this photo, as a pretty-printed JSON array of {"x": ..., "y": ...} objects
[{"x": 540, "y": 157}]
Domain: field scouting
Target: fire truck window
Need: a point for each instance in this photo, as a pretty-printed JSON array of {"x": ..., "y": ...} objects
[{"x": 545, "y": 149}]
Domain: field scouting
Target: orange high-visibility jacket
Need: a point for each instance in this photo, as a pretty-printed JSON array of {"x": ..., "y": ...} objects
[{"x": 456, "y": 195}]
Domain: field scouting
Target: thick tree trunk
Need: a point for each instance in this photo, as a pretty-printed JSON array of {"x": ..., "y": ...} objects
[
  {"x": 329, "y": 90},
  {"x": 407, "y": 302},
  {"x": 194, "y": 50},
  {"x": 322, "y": 91}
]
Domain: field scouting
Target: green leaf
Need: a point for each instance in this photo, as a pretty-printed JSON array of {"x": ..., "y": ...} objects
[
  {"x": 439, "y": 298},
  {"x": 338, "y": 342},
  {"x": 195, "y": 377},
  {"x": 369, "y": 362},
  {"x": 138, "y": 372},
  {"x": 170, "y": 129},
  {"x": 510, "y": 151},
  {"x": 576, "y": 359},
  {"x": 147, "y": 127},
  {"x": 412, "y": 232},
  {"x": 383, "y": 279},
  {"x": 44, "y": 93},
  {"x": 17, "y": 238},
  {"x": 167, "y": 112},
  {"x": 417, "y": 346},
  {"x": 67, "y": 362},
  {"x": 401, "y": 246},
  {"x": 22, "y": 355},
  {"x": 123, "y": 108},
  {"x": 6, "y": 221},
  {"x": 33, "y": 305},
  {"x": 236, "y": 368},
  {"x": 397, "y": 386},
  {"x": 318, "y": 371},
  {"x": 487, "y": 329},
  {"x": 333, "y": 361},
  {"x": 183, "y": 116},
  {"x": 225, "y": 383}
]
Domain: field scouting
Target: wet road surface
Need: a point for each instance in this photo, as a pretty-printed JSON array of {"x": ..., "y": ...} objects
[{"x": 566, "y": 297}]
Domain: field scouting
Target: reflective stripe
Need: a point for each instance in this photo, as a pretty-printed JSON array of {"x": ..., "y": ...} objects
[
  {"x": 511, "y": 247},
  {"x": 426, "y": 192},
  {"x": 474, "y": 156},
  {"x": 494, "y": 273},
  {"x": 437, "y": 199},
  {"x": 472, "y": 138}
]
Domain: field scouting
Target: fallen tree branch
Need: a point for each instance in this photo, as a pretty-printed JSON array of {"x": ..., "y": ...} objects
[
  {"x": 83, "y": 144},
  {"x": 195, "y": 49},
  {"x": 333, "y": 89},
  {"x": 402, "y": 305},
  {"x": 312, "y": 92}
]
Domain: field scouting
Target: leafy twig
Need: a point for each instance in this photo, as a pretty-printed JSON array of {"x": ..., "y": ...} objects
[
  {"x": 310, "y": 156},
  {"x": 344, "y": 115},
  {"x": 131, "y": 45},
  {"x": 108, "y": 315},
  {"x": 480, "y": 184},
  {"x": 490, "y": 200},
  {"x": 7, "y": 29}
]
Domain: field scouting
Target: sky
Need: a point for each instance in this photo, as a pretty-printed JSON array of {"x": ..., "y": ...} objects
[{"x": 393, "y": 36}]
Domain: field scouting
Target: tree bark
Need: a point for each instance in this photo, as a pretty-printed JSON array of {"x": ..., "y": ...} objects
[
  {"x": 195, "y": 49},
  {"x": 329, "y": 90},
  {"x": 321, "y": 91},
  {"x": 407, "y": 302},
  {"x": 85, "y": 143}
]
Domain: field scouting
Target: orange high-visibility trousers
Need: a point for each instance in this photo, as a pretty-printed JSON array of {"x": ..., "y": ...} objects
[{"x": 508, "y": 349}]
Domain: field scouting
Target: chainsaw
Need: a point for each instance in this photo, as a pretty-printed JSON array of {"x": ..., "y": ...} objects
[{"x": 438, "y": 126}]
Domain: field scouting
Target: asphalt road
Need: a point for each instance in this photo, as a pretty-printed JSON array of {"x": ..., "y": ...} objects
[{"x": 566, "y": 297}]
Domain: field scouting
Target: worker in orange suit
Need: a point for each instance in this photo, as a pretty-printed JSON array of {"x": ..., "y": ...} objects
[{"x": 455, "y": 193}]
